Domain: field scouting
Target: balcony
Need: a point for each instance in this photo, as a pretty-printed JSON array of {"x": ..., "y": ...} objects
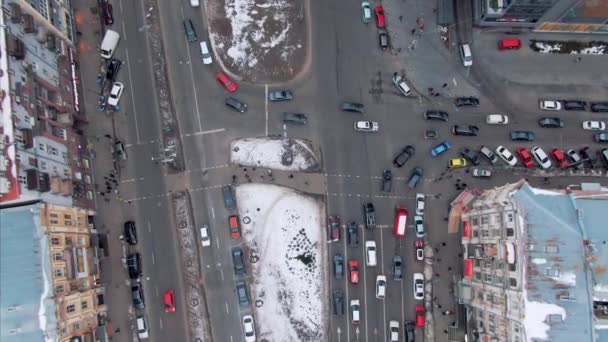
[{"x": 38, "y": 181}]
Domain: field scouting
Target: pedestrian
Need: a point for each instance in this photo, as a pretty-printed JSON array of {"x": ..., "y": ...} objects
[
  {"x": 436, "y": 94},
  {"x": 436, "y": 250},
  {"x": 400, "y": 18},
  {"x": 437, "y": 275},
  {"x": 108, "y": 136},
  {"x": 291, "y": 175},
  {"x": 445, "y": 331},
  {"x": 413, "y": 31},
  {"x": 434, "y": 299},
  {"x": 443, "y": 313},
  {"x": 121, "y": 237},
  {"x": 578, "y": 59},
  {"x": 117, "y": 330},
  {"x": 443, "y": 244},
  {"x": 107, "y": 183},
  {"x": 438, "y": 259},
  {"x": 460, "y": 255},
  {"x": 445, "y": 85},
  {"x": 129, "y": 201}
]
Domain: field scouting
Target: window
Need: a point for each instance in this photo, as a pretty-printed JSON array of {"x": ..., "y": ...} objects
[
  {"x": 41, "y": 147},
  {"x": 59, "y": 289},
  {"x": 484, "y": 220},
  {"x": 474, "y": 221},
  {"x": 19, "y": 139},
  {"x": 476, "y": 262},
  {"x": 33, "y": 162},
  {"x": 487, "y": 277},
  {"x": 82, "y": 241},
  {"x": 509, "y": 217},
  {"x": 510, "y": 232},
  {"x": 475, "y": 233},
  {"x": 64, "y": 156},
  {"x": 43, "y": 165},
  {"x": 27, "y": 119},
  {"x": 86, "y": 163},
  {"x": 513, "y": 282},
  {"x": 551, "y": 249},
  {"x": 67, "y": 217},
  {"x": 71, "y": 308},
  {"x": 22, "y": 179},
  {"x": 485, "y": 233},
  {"x": 477, "y": 275},
  {"x": 55, "y": 169},
  {"x": 55, "y": 241},
  {"x": 84, "y": 304},
  {"x": 89, "y": 194},
  {"x": 87, "y": 179},
  {"x": 552, "y": 272},
  {"x": 75, "y": 326},
  {"x": 57, "y": 256},
  {"x": 68, "y": 223},
  {"x": 513, "y": 267},
  {"x": 58, "y": 272},
  {"x": 480, "y": 295},
  {"x": 53, "y": 215},
  {"x": 66, "y": 172}
]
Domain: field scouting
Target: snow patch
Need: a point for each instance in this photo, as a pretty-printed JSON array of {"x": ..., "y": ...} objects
[
  {"x": 278, "y": 154},
  {"x": 536, "y": 318},
  {"x": 548, "y": 48},
  {"x": 538, "y": 191},
  {"x": 539, "y": 261},
  {"x": 566, "y": 278}
]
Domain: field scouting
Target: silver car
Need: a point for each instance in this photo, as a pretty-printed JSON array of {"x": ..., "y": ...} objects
[{"x": 366, "y": 12}]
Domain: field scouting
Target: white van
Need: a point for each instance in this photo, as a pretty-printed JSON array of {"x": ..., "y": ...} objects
[
  {"x": 109, "y": 43},
  {"x": 205, "y": 54},
  {"x": 370, "y": 253},
  {"x": 497, "y": 119},
  {"x": 194, "y": 3},
  {"x": 465, "y": 54},
  {"x": 401, "y": 85},
  {"x": 142, "y": 327}
]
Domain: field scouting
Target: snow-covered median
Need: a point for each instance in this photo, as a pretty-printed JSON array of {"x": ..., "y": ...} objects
[
  {"x": 284, "y": 229},
  {"x": 278, "y": 154}
]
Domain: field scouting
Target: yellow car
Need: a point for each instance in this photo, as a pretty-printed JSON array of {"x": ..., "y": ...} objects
[{"x": 458, "y": 162}]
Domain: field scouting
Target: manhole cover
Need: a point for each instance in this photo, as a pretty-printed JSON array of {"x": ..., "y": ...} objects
[
  {"x": 259, "y": 303},
  {"x": 246, "y": 220}
]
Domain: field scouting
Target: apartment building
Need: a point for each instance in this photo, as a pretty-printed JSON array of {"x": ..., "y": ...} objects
[{"x": 534, "y": 263}]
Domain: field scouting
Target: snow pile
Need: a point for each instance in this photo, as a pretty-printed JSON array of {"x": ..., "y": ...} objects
[
  {"x": 283, "y": 228},
  {"x": 278, "y": 154},
  {"x": 547, "y": 48},
  {"x": 537, "y": 317},
  {"x": 571, "y": 47},
  {"x": 594, "y": 50}
]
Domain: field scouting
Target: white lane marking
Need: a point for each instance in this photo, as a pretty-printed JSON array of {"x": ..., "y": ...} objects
[
  {"x": 217, "y": 243},
  {"x": 364, "y": 312},
  {"x": 454, "y": 81},
  {"x": 120, "y": 5},
  {"x": 132, "y": 95},
  {"x": 149, "y": 227},
  {"x": 222, "y": 274},
  {"x": 124, "y": 31},
  {"x": 153, "y": 259},
  {"x": 382, "y": 270},
  {"x": 266, "y": 105},
  {"x": 212, "y": 213},
  {"x": 227, "y": 311},
  {"x": 401, "y": 284},
  {"x": 346, "y": 278},
  {"x": 198, "y": 112},
  {"x": 203, "y": 132},
  {"x": 284, "y": 130},
  {"x": 231, "y": 340},
  {"x": 161, "y": 323}
]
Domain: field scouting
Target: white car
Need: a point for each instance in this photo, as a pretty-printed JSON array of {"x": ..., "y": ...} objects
[
  {"x": 355, "y": 308},
  {"x": 481, "y": 173},
  {"x": 249, "y": 328},
  {"x": 419, "y": 226},
  {"x": 420, "y": 204},
  {"x": 380, "y": 286},
  {"x": 370, "y": 253},
  {"x": 115, "y": 94},
  {"x": 465, "y": 54},
  {"x": 401, "y": 85},
  {"x": 497, "y": 119},
  {"x": 205, "y": 238},
  {"x": 366, "y": 126},
  {"x": 366, "y": 11},
  {"x": 594, "y": 125},
  {"x": 205, "y": 54},
  {"x": 541, "y": 157},
  {"x": 506, "y": 155},
  {"x": 393, "y": 331},
  {"x": 418, "y": 286},
  {"x": 550, "y": 105}
]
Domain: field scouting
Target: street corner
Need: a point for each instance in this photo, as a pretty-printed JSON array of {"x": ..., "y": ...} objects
[
  {"x": 258, "y": 41},
  {"x": 284, "y": 154}
]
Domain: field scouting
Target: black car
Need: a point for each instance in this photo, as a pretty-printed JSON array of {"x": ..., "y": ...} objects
[
  {"x": 468, "y": 130},
  {"x": 352, "y": 235},
  {"x": 295, "y": 118},
  {"x": 241, "y": 293},
  {"x": 599, "y": 107},
  {"x": 587, "y": 161},
  {"x": 130, "y": 233},
  {"x": 236, "y": 105},
  {"x": 522, "y": 136},
  {"x": 383, "y": 39},
  {"x": 338, "y": 302},
  {"x": 338, "y": 266},
  {"x": 108, "y": 12},
  {"x": 134, "y": 265},
  {"x": 415, "y": 177},
  {"x": 370, "y": 216},
  {"x": 237, "y": 260},
  {"x": 436, "y": 115},
  {"x": 352, "y": 107},
  {"x": 387, "y": 180},
  {"x": 137, "y": 295},
  {"x": 410, "y": 327},
  {"x": 551, "y": 123},
  {"x": 228, "y": 196},
  {"x": 397, "y": 267},
  {"x": 113, "y": 69},
  {"x": 405, "y": 155},
  {"x": 574, "y": 105},
  {"x": 467, "y": 101},
  {"x": 470, "y": 155}
]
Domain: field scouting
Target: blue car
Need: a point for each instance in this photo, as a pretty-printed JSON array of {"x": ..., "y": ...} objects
[{"x": 439, "y": 149}]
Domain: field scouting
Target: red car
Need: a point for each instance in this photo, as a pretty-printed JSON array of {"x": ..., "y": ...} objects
[
  {"x": 380, "y": 18},
  {"x": 525, "y": 157},
  {"x": 235, "y": 227},
  {"x": 169, "y": 299},
  {"x": 420, "y": 319},
  {"x": 334, "y": 227},
  {"x": 559, "y": 157},
  {"x": 226, "y": 82},
  {"x": 108, "y": 13},
  {"x": 353, "y": 268},
  {"x": 400, "y": 221},
  {"x": 419, "y": 247}
]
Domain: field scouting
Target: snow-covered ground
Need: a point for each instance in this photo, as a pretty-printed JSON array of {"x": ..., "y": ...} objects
[
  {"x": 284, "y": 228},
  {"x": 272, "y": 153}
]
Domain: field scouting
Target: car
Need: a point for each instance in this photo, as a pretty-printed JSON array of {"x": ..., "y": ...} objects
[
  {"x": 481, "y": 173},
  {"x": 237, "y": 261},
  {"x": 419, "y": 249},
  {"x": 430, "y": 134},
  {"x": 366, "y": 126},
  {"x": 353, "y": 271},
  {"x": 397, "y": 267},
  {"x": 130, "y": 233},
  {"x": 506, "y": 155},
  {"x": 387, "y": 180},
  {"x": 418, "y": 286},
  {"x": 115, "y": 93},
  {"x": 137, "y": 296},
  {"x": 369, "y": 213},
  {"x": 455, "y": 163},
  {"x": 249, "y": 328},
  {"x": 355, "y": 308},
  {"x": 410, "y": 326},
  {"x": 228, "y": 196},
  {"x": 509, "y": 44},
  {"x": 235, "y": 226},
  {"x": 119, "y": 150},
  {"x": 468, "y": 130},
  {"x": 108, "y": 13},
  {"x": 559, "y": 157},
  {"x": 470, "y": 155},
  {"x": 541, "y": 157},
  {"x": 551, "y": 123},
  {"x": 588, "y": 162},
  {"x": 353, "y": 107},
  {"x": 490, "y": 156},
  {"x": 403, "y": 156},
  {"x": 380, "y": 286},
  {"x": 353, "y": 236},
  {"x": 169, "y": 300},
  {"x": 400, "y": 222},
  {"x": 420, "y": 319},
  {"x": 420, "y": 204},
  {"x": 419, "y": 226},
  {"x": 226, "y": 82},
  {"x": 205, "y": 238},
  {"x": 190, "y": 31},
  {"x": 550, "y": 105},
  {"x": 236, "y": 104},
  {"x": 574, "y": 105},
  {"x": 205, "y": 53},
  {"x": 295, "y": 118},
  {"x": 575, "y": 158},
  {"x": 436, "y": 115},
  {"x": 415, "y": 177},
  {"x": 113, "y": 69},
  {"x": 134, "y": 265},
  {"x": 525, "y": 157},
  {"x": 280, "y": 95},
  {"x": 522, "y": 136},
  {"x": 466, "y": 102},
  {"x": 142, "y": 327},
  {"x": 334, "y": 227},
  {"x": 380, "y": 18},
  {"x": 370, "y": 253},
  {"x": 497, "y": 119},
  {"x": 383, "y": 39},
  {"x": 600, "y": 137},
  {"x": 439, "y": 149},
  {"x": 366, "y": 12},
  {"x": 338, "y": 266},
  {"x": 599, "y": 107},
  {"x": 594, "y": 125},
  {"x": 241, "y": 293},
  {"x": 465, "y": 55},
  {"x": 399, "y": 82},
  {"x": 338, "y": 302},
  {"x": 604, "y": 154},
  {"x": 194, "y": 3},
  {"x": 393, "y": 331}
]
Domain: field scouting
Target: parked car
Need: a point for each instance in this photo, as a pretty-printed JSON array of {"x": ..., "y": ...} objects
[
  {"x": 509, "y": 44},
  {"x": 481, "y": 173},
  {"x": 437, "y": 115},
  {"x": 280, "y": 95},
  {"x": 594, "y": 125},
  {"x": 420, "y": 319},
  {"x": 599, "y": 107},
  {"x": 115, "y": 94},
  {"x": 237, "y": 261},
  {"x": 525, "y": 157},
  {"x": 559, "y": 157},
  {"x": 235, "y": 104},
  {"x": 119, "y": 150},
  {"x": 205, "y": 52},
  {"x": 455, "y": 163},
  {"x": 419, "y": 226},
  {"x": 242, "y": 294},
  {"x": 113, "y": 69},
  {"x": 355, "y": 308},
  {"x": 397, "y": 267},
  {"x": 383, "y": 39},
  {"x": 295, "y": 118},
  {"x": 420, "y": 204},
  {"x": 334, "y": 227},
  {"x": 137, "y": 296},
  {"x": 130, "y": 233},
  {"x": 228, "y": 196},
  {"x": 205, "y": 237},
  {"x": 400, "y": 222},
  {"x": 400, "y": 83},
  {"x": 369, "y": 215},
  {"x": 366, "y": 126},
  {"x": 497, "y": 119},
  {"x": 466, "y": 55},
  {"x": 419, "y": 249},
  {"x": 338, "y": 302},
  {"x": 352, "y": 107},
  {"x": 387, "y": 180},
  {"x": 393, "y": 331},
  {"x": 468, "y": 130},
  {"x": 550, "y": 105},
  {"x": 370, "y": 253},
  {"x": 338, "y": 266},
  {"x": 430, "y": 134},
  {"x": 405, "y": 155},
  {"x": 466, "y": 102},
  {"x": 141, "y": 323},
  {"x": 506, "y": 155},
  {"x": 169, "y": 300},
  {"x": 380, "y": 286},
  {"x": 353, "y": 236},
  {"x": 248, "y": 328},
  {"x": 522, "y": 136},
  {"x": 574, "y": 105},
  {"x": 235, "y": 226},
  {"x": 134, "y": 265},
  {"x": 409, "y": 331},
  {"x": 366, "y": 12},
  {"x": 600, "y": 137},
  {"x": 439, "y": 149},
  {"x": 380, "y": 18},
  {"x": 587, "y": 160},
  {"x": 190, "y": 31},
  {"x": 470, "y": 155},
  {"x": 486, "y": 152},
  {"x": 418, "y": 286},
  {"x": 108, "y": 13},
  {"x": 353, "y": 271},
  {"x": 551, "y": 123},
  {"x": 226, "y": 82},
  {"x": 541, "y": 157},
  {"x": 415, "y": 177},
  {"x": 575, "y": 158}
]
